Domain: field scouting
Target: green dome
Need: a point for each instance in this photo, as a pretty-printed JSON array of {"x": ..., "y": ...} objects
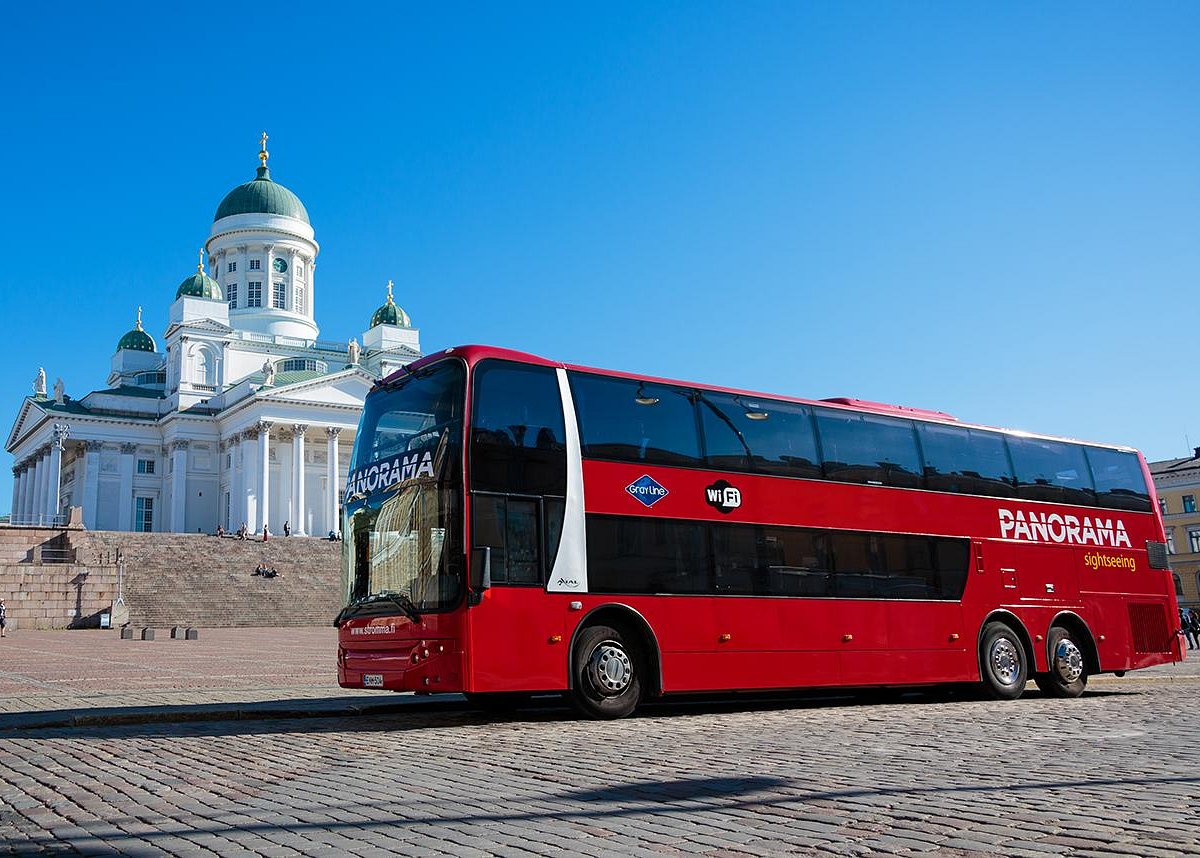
[
  {"x": 200, "y": 285},
  {"x": 390, "y": 314},
  {"x": 262, "y": 196},
  {"x": 137, "y": 340}
]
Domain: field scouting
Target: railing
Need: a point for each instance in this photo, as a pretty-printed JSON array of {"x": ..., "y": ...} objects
[
  {"x": 48, "y": 554},
  {"x": 38, "y": 520},
  {"x": 204, "y": 388},
  {"x": 290, "y": 342}
]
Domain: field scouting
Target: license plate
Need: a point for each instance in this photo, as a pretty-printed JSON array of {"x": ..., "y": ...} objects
[{"x": 372, "y": 680}]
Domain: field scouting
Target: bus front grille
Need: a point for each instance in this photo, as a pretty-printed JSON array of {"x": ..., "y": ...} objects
[{"x": 1151, "y": 631}]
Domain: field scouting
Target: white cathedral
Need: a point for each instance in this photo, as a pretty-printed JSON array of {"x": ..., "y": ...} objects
[{"x": 245, "y": 416}]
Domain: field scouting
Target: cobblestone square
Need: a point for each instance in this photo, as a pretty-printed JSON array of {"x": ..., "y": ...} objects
[{"x": 1116, "y": 772}]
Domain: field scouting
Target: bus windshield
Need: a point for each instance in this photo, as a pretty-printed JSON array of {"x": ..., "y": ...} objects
[{"x": 403, "y": 497}]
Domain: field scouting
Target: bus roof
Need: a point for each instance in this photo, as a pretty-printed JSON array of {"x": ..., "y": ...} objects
[{"x": 473, "y": 353}]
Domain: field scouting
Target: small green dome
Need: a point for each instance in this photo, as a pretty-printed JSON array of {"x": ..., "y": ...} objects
[
  {"x": 200, "y": 285},
  {"x": 390, "y": 313},
  {"x": 262, "y": 196},
  {"x": 137, "y": 340}
]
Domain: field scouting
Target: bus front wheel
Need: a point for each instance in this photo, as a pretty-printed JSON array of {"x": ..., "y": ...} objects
[
  {"x": 606, "y": 674},
  {"x": 1068, "y": 673},
  {"x": 1002, "y": 662}
]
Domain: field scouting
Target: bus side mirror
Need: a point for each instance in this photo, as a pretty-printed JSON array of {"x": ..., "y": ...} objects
[{"x": 481, "y": 568}]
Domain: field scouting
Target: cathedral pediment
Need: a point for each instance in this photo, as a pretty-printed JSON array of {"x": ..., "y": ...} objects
[{"x": 346, "y": 388}]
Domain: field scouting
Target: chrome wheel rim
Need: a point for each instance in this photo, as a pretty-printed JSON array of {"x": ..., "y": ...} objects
[
  {"x": 609, "y": 670},
  {"x": 1005, "y": 661},
  {"x": 1068, "y": 660}
]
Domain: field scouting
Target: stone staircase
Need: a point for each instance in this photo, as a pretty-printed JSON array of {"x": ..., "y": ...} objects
[{"x": 176, "y": 579}]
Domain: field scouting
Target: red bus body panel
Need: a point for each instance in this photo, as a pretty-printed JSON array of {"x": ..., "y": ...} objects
[{"x": 519, "y": 637}]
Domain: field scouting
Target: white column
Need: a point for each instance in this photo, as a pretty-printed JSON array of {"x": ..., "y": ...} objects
[
  {"x": 264, "y": 473},
  {"x": 300, "y": 520},
  {"x": 91, "y": 483},
  {"x": 42, "y": 467},
  {"x": 20, "y": 484},
  {"x": 16, "y": 472},
  {"x": 283, "y": 484},
  {"x": 246, "y": 479},
  {"x": 31, "y": 483},
  {"x": 54, "y": 488},
  {"x": 333, "y": 489},
  {"x": 36, "y": 472},
  {"x": 179, "y": 452},
  {"x": 242, "y": 274},
  {"x": 125, "y": 502}
]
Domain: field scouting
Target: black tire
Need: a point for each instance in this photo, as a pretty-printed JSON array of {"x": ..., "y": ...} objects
[
  {"x": 606, "y": 673},
  {"x": 1002, "y": 662},
  {"x": 497, "y": 702},
  {"x": 1068, "y": 668}
]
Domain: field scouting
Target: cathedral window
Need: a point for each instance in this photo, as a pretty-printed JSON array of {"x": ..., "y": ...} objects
[
  {"x": 254, "y": 293},
  {"x": 302, "y": 365},
  {"x": 231, "y": 291},
  {"x": 278, "y": 296},
  {"x": 143, "y": 519},
  {"x": 231, "y": 267},
  {"x": 145, "y": 466},
  {"x": 255, "y": 264}
]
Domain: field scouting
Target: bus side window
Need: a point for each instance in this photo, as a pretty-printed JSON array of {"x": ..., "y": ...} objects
[
  {"x": 742, "y": 433},
  {"x": 1120, "y": 483},
  {"x": 864, "y": 448},
  {"x": 634, "y": 421},
  {"x": 1051, "y": 471},
  {"x": 518, "y": 434},
  {"x": 970, "y": 461}
]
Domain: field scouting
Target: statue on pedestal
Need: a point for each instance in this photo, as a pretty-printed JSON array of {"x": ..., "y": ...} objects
[
  {"x": 269, "y": 372},
  {"x": 39, "y": 383},
  {"x": 354, "y": 350},
  {"x": 58, "y": 391}
]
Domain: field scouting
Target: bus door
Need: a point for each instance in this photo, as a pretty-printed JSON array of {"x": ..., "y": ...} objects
[{"x": 517, "y": 465}]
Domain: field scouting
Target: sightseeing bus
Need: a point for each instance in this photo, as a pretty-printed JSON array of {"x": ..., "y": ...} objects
[{"x": 515, "y": 525}]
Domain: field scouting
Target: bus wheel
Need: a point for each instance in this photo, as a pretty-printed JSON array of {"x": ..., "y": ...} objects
[
  {"x": 496, "y": 703},
  {"x": 1002, "y": 662},
  {"x": 607, "y": 680},
  {"x": 1068, "y": 674}
]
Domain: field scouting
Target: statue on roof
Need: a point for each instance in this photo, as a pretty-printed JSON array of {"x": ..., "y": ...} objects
[
  {"x": 39, "y": 383},
  {"x": 269, "y": 373},
  {"x": 353, "y": 350},
  {"x": 58, "y": 391}
]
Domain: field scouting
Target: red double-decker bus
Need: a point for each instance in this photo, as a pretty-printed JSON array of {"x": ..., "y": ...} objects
[{"x": 515, "y": 525}]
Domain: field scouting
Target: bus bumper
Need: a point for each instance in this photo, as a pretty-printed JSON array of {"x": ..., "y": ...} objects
[{"x": 422, "y": 665}]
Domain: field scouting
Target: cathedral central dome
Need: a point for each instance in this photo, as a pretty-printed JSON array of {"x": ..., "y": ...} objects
[{"x": 262, "y": 196}]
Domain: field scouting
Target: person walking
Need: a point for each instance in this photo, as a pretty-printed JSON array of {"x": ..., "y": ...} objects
[
  {"x": 266, "y": 532},
  {"x": 3, "y": 619},
  {"x": 287, "y": 528},
  {"x": 1194, "y": 627}
]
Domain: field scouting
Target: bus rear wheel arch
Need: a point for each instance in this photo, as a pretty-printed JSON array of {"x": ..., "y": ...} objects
[
  {"x": 1004, "y": 660},
  {"x": 609, "y": 672}
]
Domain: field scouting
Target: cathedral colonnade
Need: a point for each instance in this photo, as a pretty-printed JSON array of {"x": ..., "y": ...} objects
[
  {"x": 275, "y": 476},
  {"x": 37, "y": 482}
]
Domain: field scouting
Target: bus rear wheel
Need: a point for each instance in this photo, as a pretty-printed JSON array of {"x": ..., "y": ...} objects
[
  {"x": 606, "y": 674},
  {"x": 1002, "y": 662},
  {"x": 1068, "y": 671}
]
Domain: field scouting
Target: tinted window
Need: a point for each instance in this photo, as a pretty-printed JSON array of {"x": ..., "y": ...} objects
[
  {"x": 635, "y": 421},
  {"x": 747, "y": 434},
  {"x": 770, "y": 561},
  {"x": 517, "y": 430},
  {"x": 647, "y": 555},
  {"x": 970, "y": 461},
  {"x": 864, "y": 448},
  {"x": 509, "y": 526},
  {"x": 1051, "y": 471},
  {"x": 1119, "y": 480}
]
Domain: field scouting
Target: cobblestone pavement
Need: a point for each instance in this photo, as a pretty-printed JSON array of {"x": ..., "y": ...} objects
[{"x": 1114, "y": 773}]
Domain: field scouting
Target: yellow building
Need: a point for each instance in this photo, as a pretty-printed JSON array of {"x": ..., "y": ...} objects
[{"x": 1177, "y": 482}]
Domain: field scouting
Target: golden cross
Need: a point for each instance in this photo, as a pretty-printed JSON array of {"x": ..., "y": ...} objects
[
  {"x": 389, "y": 291},
  {"x": 264, "y": 154},
  {"x": 139, "y": 321},
  {"x": 200, "y": 267}
]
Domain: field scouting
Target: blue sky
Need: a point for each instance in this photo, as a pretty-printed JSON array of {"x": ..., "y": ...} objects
[{"x": 991, "y": 212}]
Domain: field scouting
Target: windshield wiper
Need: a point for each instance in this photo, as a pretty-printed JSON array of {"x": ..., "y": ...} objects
[{"x": 400, "y": 600}]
